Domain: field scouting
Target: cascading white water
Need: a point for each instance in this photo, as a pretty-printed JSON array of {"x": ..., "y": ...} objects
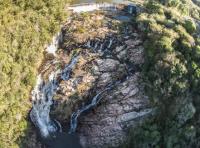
[
  {"x": 44, "y": 91},
  {"x": 110, "y": 43},
  {"x": 68, "y": 68},
  {"x": 52, "y": 48},
  {"x": 42, "y": 97},
  {"x": 42, "y": 100},
  {"x": 75, "y": 115},
  {"x": 95, "y": 100}
]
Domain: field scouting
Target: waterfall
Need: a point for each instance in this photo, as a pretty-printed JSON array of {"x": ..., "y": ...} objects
[
  {"x": 44, "y": 91},
  {"x": 95, "y": 100},
  {"x": 42, "y": 97},
  {"x": 110, "y": 43},
  {"x": 68, "y": 68},
  {"x": 54, "y": 44}
]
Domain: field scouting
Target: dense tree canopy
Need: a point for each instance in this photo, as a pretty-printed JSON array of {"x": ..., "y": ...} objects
[
  {"x": 171, "y": 74},
  {"x": 26, "y": 26}
]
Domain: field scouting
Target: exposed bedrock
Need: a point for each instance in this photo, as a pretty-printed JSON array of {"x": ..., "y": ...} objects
[
  {"x": 124, "y": 106},
  {"x": 120, "y": 108},
  {"x": 110, "y": 51}
]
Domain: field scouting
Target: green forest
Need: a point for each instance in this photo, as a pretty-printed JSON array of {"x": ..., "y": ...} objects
[
  {"x": 171, "y": 72},
  {"x": 171, "y": 75},
  {"x": 26, "y": 26}
]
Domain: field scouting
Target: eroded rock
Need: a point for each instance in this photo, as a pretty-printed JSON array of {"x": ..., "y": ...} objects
[
  {"x": 107, "y": 125},
  {"x": 106, "y": 56}
]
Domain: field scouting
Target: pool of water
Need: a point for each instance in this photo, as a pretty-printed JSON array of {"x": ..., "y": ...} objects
[
  {"x": 62, "y": 140},
  {"x": 95, "y": 1}
]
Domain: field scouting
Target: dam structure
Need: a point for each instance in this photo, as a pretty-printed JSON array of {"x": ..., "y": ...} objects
[{"x": 89, "y": 7}]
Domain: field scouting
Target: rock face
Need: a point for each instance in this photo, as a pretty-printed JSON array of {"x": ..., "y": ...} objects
[
  {"x": 120, "y": 108},
  {"x": 109, "y": 51}
]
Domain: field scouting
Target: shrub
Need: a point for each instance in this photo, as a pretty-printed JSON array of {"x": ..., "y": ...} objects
[
  {"x": 173, "y": 3},
  {"x": 165, "y": 43},
  {"x": 154, "y": 7},
  {"x": 197, "y": 52},
  {"x": 198, "y": 40},
  {"x": 156, "y": 28},
  {"x": 184, "y": 35},
  {"x": 190, "y": 26},
  {"x": 169, "y": 23},
  {"x": 184, "y": 8}
]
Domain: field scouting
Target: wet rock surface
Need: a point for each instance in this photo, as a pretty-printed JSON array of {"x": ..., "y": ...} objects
[{"x": 109, "y": 51}]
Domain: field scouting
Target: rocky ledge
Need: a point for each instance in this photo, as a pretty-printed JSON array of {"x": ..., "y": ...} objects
[
  {"x": 110, "y": 50},
  {"x": 123, "y": 107}
]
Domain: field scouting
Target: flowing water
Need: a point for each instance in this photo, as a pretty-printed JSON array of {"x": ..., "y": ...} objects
[
  {"x": 57, "y": 39},
  {"x": 44, "y": 91},
  {"x": 42, "y": 97},
  {"x": 42, "y": 100},
  {"x": 95, "y": 100}
]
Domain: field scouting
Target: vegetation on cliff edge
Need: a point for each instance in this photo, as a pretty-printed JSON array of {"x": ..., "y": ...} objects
[
  {"x": 171, "y": 75},
  {"x": 26, "y": 26}
]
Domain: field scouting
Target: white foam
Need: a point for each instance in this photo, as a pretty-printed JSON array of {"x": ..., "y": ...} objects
[
  {"x": 52, "y": 48},
  {"x": 42, "y": 97}
]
